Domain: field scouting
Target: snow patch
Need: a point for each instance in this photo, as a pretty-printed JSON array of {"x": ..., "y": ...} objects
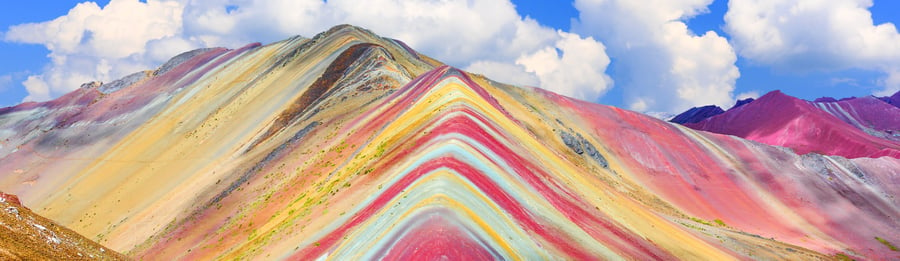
[{"x": 13, "y": 211}]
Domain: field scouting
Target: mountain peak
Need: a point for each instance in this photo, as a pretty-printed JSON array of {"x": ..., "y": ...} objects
[
  {"x": 348, "y": 145},
  {"x": 777, "y": 95},
  {"x": 349, "y": 28},
  {"x": 893, "y": 99},
  {"x": 743, "y": 102},
  {"x": 697, "y": 114}
]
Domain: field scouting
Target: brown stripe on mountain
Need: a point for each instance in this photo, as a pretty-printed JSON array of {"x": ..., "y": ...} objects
[{"x": 314, "y": 92}]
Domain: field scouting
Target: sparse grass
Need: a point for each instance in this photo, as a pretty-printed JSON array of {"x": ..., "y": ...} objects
[
  {"x": 887, "y": 243},
  {"x": 701, "y": 221},
  {"x": 715, "y": 222},
  {"x": 720, "y": 222},
  {"x": 380, "y": 149},
  {"x": 692, "y": 226},
  {"x": 842, "y": 257}
]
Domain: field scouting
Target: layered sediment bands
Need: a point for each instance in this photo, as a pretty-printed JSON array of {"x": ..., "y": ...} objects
[
  {"x": 869, "y": 114},
  {"x": 350, "y": 146}
]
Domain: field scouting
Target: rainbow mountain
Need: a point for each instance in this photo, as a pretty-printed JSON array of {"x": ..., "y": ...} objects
[{"x": 349, "y": 146}]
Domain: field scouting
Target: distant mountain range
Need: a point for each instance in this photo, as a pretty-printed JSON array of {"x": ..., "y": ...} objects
[
  {"x": 351, "y": 146},
  {"x": 851, "y": 127}
]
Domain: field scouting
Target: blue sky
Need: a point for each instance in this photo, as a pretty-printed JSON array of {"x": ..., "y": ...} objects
[
  {"x": 636, "y": 55},
  {"x": 18, "y": 59}
]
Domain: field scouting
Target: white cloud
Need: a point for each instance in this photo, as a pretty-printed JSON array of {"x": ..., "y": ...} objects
[
  {"x": 639, "y": 104},
  {"x": 573, "y": 65},
  {"x": 745, "y": 95},
  {"x": 803, "y": 36},
  {"x": 660, "y": 64},
  {"x": 576, "y": 67},
  {"x": 891, "y": 83},
  {"x": 843, "y": 80},
  {"x": 485, "y": 36},
  {"x": 504, "y": 72},
  {"x": 212, "y": 23},
  {"x": 93, "y": 43},
  {"x": 37, "y": 89}
]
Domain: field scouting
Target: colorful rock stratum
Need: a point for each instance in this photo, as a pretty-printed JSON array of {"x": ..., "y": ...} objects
[{"x": 349, "y": 146}]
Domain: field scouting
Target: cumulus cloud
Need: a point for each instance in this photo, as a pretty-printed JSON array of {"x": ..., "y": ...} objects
[
  {"x": 237, "y": 22},
  {"x": 505, "y": 72},
  {"x": 575, "y": 66},
  {"x": 659, "y": 63},
  {"x": 891, "y": 83},
  {"x": 37, "y": 89},
  {"x": 803, "y": 36},
  {"x": 457, "y": 31},
  {"x": 746, "y": 95},
  {"x": 485, "y": 36},
  {"x": 91, "y": 43}
]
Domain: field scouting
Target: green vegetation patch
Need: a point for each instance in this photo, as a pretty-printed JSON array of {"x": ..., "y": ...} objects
[
  {"x": 842, "y": 257},
  {"x": 720, "y": 222},
  {"x": 886, "y": 243}
]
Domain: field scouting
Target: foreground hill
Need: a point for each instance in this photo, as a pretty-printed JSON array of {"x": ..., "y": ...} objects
[
  {"x": 25, "y": 235},
  {"x": 351, "y": 146},
  {"x": 853, "y": 128}
]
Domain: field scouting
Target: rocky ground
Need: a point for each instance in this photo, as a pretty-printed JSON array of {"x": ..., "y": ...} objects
[{"x": 25, "y": 235}]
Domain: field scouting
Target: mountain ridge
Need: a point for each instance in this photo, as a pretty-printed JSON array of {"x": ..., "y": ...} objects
[
  {"x": 857, "y": 127},
  {"x": 352, "y": 146}
]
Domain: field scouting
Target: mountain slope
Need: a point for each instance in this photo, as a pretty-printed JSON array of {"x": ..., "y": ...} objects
[
  {"x": 782, "y": 120},
  {"x": 25, "y": 235},
  {"x": 352, "y": 146},
  {"x": 163, "y": 129},
  {"x": 869, "y": 114}
]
